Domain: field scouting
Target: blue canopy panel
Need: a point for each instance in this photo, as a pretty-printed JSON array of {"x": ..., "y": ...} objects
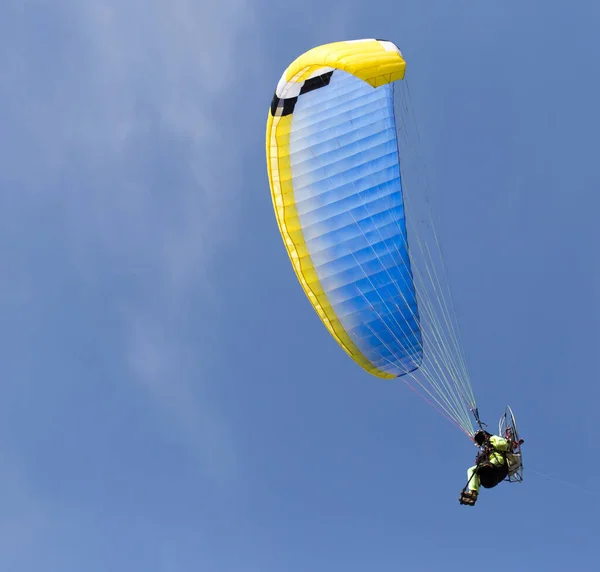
[{"x": 348, "y": 194}]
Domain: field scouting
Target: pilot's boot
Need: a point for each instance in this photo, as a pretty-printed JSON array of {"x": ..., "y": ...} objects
[{"x": 468, "y": 497}]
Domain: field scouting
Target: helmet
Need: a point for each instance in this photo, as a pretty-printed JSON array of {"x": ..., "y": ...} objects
[{"x": 481, "y": 437}]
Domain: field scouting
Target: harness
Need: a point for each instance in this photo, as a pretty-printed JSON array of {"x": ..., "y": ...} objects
[{"x": 483, "y": 458}]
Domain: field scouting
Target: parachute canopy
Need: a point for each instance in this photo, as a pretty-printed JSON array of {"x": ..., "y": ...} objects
[{"x": 334, "y": 169}]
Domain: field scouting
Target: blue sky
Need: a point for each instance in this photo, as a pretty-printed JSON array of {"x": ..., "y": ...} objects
[{"x": 170, "y": 401}]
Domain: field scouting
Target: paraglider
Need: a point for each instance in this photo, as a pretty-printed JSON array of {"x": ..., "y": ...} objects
[
  {"x": 499, "y": 459},
  {"x": 338, "y": 189},
  {"x": 490, "y": 466}
]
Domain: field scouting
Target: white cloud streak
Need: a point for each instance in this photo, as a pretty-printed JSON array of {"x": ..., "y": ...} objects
[{"x": 117, "y": 110}]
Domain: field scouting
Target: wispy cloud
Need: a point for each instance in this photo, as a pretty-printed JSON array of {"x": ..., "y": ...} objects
[{"x": 116, "y": 110}]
